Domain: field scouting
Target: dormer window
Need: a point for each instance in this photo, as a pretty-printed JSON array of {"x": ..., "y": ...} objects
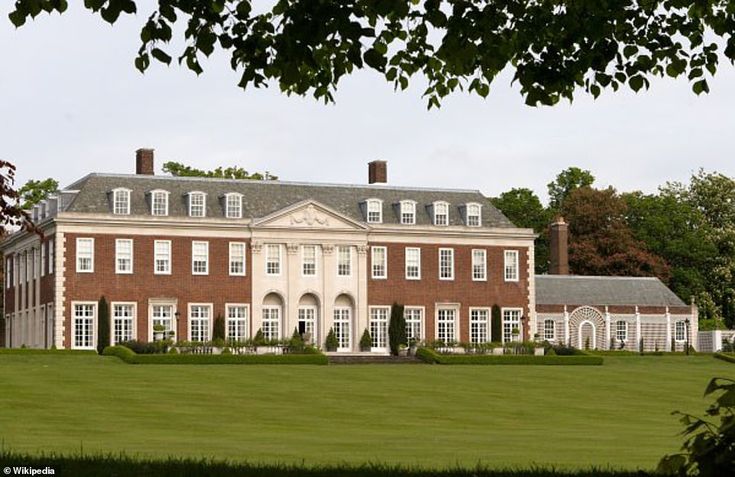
[
  {"x": 441, "y": 213},
  {"x": 34, "y": 215},
  {"x": 121, "y": 201},
  {"x": 233, "y": 205},
  {"x": 374, "y": 211},
  {"x": 408, "y": 212},
  {"x": 44, "y": 210},
  {"x": 159, "y": 202},
  {"x": 197, "y": 204},
  {"x": 473, "y": 214}
]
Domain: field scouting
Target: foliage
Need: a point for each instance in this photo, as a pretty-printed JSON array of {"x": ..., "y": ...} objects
[
  {"x": 11, "y": 213},
  {"x": 40, "y": 351},
  {"x": 430, "y": 356},
  {"x": 396, "y": 329},
  {"x": 34, "y": 191},
  {"x": 730, "y": 358},
  {"x": 234, "y": 172},
  {"x": 307, "y": 47},
  {"x": 566, "y": 182},
  {"x": 259, "y": 339},
  {"x": 496, "y": 323},
  {"x": 296, "y": 343},
  {"x": 218, "y": 328},
  {"x": 709, "y": 447},
  {"x": 130, "y": 357},
  {"x": 331, "y": 343},
  {"x": 147, "y": 347},
  {"x": 103, "y": 325},
  {"x": 561, "y": 349},
  {"x": 366, "y": 341}
]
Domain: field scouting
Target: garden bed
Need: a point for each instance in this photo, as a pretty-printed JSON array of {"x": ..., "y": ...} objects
[
  {"x": 430, "y": 356},
  {"x": 28, "y": 351},
  {"x": 729, "y": 357},
  {"x": 130, "y": 357}
]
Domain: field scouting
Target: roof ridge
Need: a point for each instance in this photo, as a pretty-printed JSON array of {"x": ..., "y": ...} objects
[{"x": 597, "y": 277}]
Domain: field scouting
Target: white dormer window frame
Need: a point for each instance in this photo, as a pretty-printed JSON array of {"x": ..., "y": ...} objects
[
  {"x": 159, "y": 202},
  {"x": 374, "y": 211},
  {"x": 195, "y": 207},
  {"x": 408, "y": 212},
  {"x": 121, "y": 201},
  {"x": 441, "y": 213},
  {"x": 233, "y": 205},
  {"x": 473, "y": 214}
]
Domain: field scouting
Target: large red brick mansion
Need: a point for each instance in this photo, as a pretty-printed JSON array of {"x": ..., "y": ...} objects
[{"x": 277, "y": 256}]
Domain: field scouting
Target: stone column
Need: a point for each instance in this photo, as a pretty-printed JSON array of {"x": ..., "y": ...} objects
[
  {"x": 567, "y": 337},
  {"x": 361, "y": 307},
  {"x": 257, "y": 266},
  {"x": 668, "y": 330},
  {"x": 290, "y": 321},
  {"x": 607, "y": 327},
  {"x": 638, "y": 329},
  {"x": 328, "y": 271}
]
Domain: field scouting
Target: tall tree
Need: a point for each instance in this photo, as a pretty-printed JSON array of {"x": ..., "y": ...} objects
[
  {"x": 12, "y": 214},
  {"x": 565, "y": 183},
  {"x": 307, "y": 47},
  {"x": 34, "y": 191},
  {"x": 235, "y": 172}
]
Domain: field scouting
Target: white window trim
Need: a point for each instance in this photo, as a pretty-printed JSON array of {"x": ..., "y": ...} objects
[
  {"x": 280, "y": 321},
  {"x": 51, "y": 255},
  {"x": 280, "y": 259},
  {"x": 489, "y": 320},
  {"x": 227, "y": 205},
  {"x": 134, "y": 318},
  {"x": 349, "y": 249},
  {"x": 204, "y": 203},
  {"x": 248, "y": 320},
  {"x": 210, "y": 319},
  {"x": 372, "y": 262},
  {"x": 170, "y": 257},
  {"x": 153, "y": 195},
  {"x": 423, "y": 318},
  {"x": 193, "y": 272},
  {"x": 316, "y": 260},
  {"x": 129, "y": 194},
  {"x": 91, "y": 267},
  {"x": 94, "y": 324},
  {"x": 447, "y": 306},
  {"x": 543, "y": 329},
  {"x": 407, "y": 204},
  {"x": 433, "y": 209},
  {"x": 685, "y": 331},
  {"x": 472, "y": 264},
  {"x": 467, "y": 213},
  {"x": 439, "y": 268},
  {"x": 42, "y": 264},
  {"x": 405, "y": 264},
  {"x": 132, "y": 259},
  {"x": 244, "y": 259},
  {"x": 502, "y": 321},
  {"x": 174, "y": 321},
  {"x": 626, "y": 330},
  {"x": 380, "y": 211},
  {"x": 517, "y": 265}
]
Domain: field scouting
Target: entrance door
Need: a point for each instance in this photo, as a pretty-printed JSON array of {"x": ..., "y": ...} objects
[
  {"x": 587, "y": 335},
  {"x": 307, "y": 323},
  {"x": 342, "y": 328},
  {"x": 379, "y": 328}
]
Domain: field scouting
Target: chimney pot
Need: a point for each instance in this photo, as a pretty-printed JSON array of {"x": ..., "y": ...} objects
[
  {"x": 377, "y": 172},
  {"x": 144, "y": 162},
  {"x": 559, "y": 245}
]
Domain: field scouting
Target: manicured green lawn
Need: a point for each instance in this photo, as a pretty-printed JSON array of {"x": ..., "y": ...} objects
[{"x": 617, "y": 414}]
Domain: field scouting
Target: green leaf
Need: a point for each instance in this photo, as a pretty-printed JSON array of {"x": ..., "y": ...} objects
[
  {"x": 700, "y": 87},
  {"x": 161, "y": 56},
  {"x": 636, "y": 83}
]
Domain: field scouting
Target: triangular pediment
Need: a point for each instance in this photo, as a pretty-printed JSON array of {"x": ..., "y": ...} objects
[{"x": 308, "y": 214}]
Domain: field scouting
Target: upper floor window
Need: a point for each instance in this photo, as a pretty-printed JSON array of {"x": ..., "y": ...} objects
[
  {"x": 162, "y": 257},
  {"x": 272, "y": 259},
  {"x": 51, "y": 256},
  {"x": 374, "y": 211},
  {"x": 200, "y": 258},
  {"x": 473, "y": 214},
  {"x": 379, "y": 261},
  {"x": 121, "y": 201},
  {"x": 408, "y": 212},
  {"x": 159, "y": 202},
  {"x": 237, "y": 258},
  {"x": 511, "y": 265},
  {"x": 123, "y": 256},
  {"x": 308, "y": 260},
  {"x": 85, "y": 255},
  {"x": 441, "y": 213},
  {"x": 413, "y": 263},
  {"x": 344, "y": 261},
  {"x": 233, "y": 205},
  {"x": 446, "y": 264},
  {"x": 479, "y": 265},
  {"x": 197, "y": 204}
]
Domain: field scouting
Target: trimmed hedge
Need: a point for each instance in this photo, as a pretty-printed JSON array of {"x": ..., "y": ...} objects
[
  {"x": 429, "y": 356},
  {"x": 729, "y": 357},
  {"x": 130, "y": 357},
  {"x": 46, "y": 351}
]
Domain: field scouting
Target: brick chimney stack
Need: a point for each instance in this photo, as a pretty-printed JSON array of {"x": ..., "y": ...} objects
[
  {"x": 559, "y": 247},
  {"x": 144, "y": 162},
  {"x": 377, "y": 172}
]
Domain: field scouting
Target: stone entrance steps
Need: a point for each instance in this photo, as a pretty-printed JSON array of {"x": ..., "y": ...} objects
[{"x": 371, "y": 359}]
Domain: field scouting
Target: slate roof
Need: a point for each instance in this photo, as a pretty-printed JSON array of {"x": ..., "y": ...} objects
[
  {"x": 600, "y": 291},
  {"x": 262, "y": 198}
]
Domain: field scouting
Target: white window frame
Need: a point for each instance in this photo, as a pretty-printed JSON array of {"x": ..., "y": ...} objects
[
  {"x": 266, "y": 310},
  {"x": 42, "y": 264},
  {"x": 479, "y": 265},
  {"x": 90, "y": 240},
  {"x": 451, "y": 267},
  {"x": 374, "y": 324},
  {"x": 683, "y": 331},
  {"x": 473, "y": 219},
  {"x": 233, "y": 211},
  {"x": 417, "y": 264},
  {"x": 304, "y": 262},
  {"x": 152, "y": 318},
  {"x": 476, "y": 320},
  {"x": 549, "y": 336},
  {"x": 209, "y": 319},
  {"x": 408, "y": 212},
  {"x": 377, "y": 267},
  {"x": 194, "y": 257},
  {"x": 228, "y": 319},
  {"x": 278, "y": 262},
  {"x": 438, "y": 213},
  {"x": 519, "y": 321},
  {"x": 93, "y": 326},
  {"x": 8, "y": 273},
  {"x": 133, "y": 320},
  {"x": 121, "y": 196},
  {"x": 194, "y": 194},
  {"x": 621, "y": 332},
  {"x": 164, "y": 258},
  {"x": 237, "y": 260},
  {"x": 421, "y": 312},
  {"x": 158, "y": 193},
  {"x": 511, "y": 264},
  {"x": 377, "y": 208},
  {"x": 118, "y": 257},
  {"x": 341, "y": 266},
  {"x": 455, "y": 326},
  {"x": 51, "y": 254}
]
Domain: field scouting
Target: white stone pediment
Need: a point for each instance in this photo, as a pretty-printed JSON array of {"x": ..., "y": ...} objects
[{"x": 308, "y": 214}]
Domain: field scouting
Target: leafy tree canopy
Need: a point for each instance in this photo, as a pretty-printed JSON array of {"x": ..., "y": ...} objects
[
  {"x": 11, "y": 213},
  {"x": 235, "y": 172},
  {"x": 34, "y": 191},
  {"x": 554, "y": 48},
  {"x": 567, "y": 181}
]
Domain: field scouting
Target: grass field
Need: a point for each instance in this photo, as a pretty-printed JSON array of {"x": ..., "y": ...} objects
[{"x": 617, "y": 414}]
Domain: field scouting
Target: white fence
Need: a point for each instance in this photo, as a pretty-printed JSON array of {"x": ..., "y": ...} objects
[{"x": 711, "y": 341}]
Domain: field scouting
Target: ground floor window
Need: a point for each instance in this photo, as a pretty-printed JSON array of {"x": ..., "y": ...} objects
[
  {"x": 621, "y": 330},
  {"x": 511, "y": 324},
  {"x": 342, "y": 327},
  {"x": 162, "y": 315},
  {"x": 414, "y": 319},
  {"x": 237, "y": 322},
  {"x": 271, "y": 323},
  {"x": 123, "y": 316},
  {"x": 680, "y": 331},
  {"x": 199, "y": 318},
  {"x": 446, "y": 324},
  {"x": 83, "y": 323},
  {"x": 479, "y": 319},
  {"x": 307, "y": 322},
  {"x": 379, "y": 326},
  {"x": 549, "y": 330}
]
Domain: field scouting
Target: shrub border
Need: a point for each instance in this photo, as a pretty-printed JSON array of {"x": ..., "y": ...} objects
[
  {"x": 129, "y": 356},
  {"x": 730, "y": 358},
  {"x": 47, "y": 351},
  {"x": 431, "y": 357}
]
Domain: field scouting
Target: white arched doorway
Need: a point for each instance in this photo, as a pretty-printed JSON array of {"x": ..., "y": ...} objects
[
  {"x": 271, "y": 322},
  {"x": 586, "y": 327},
  {"x": 308, "y": 318},
  {"x": 342, "y": 324},
  {"x": 587, "y": 335}
]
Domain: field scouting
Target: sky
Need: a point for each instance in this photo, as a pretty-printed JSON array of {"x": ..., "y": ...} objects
[{"x": 73, "y": 103}]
